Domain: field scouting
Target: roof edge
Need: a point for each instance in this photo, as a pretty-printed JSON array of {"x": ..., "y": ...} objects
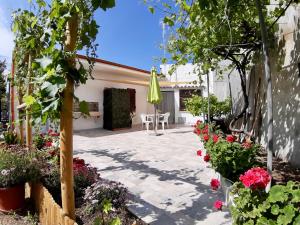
[{"x": 113, "y": 64}]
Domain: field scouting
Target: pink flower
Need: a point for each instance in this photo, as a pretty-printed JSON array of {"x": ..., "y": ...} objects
[
  {"x": 246, "y": 145},
  {"x": 198, "y": 122},
  {"x": 218, "y": 205},
  {"x": 199, "y": 153},
  {"x": 206, "y": 158},
  {"x": 205, "y": 137},
  {"x": 215, "y": 138},
  {"x": 230, "y": 138},
  {"x": 50, "y": 131},
  {"x": 255, "y": 178},
  {"x": 214, "y": 184}
]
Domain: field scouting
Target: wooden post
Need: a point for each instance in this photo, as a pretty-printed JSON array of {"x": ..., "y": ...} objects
[
  {"x": 12, "y": 93},
  {"x": 28, "y": 116},
  {"x": 66, "y": 129},
  {"x": 268, "y": 81}
]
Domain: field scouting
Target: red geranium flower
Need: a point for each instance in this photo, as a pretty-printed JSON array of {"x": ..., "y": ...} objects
[
  {"x": 197, "y": 131},
  {"x": 215, "y": 138},
  {"x": 206, "y": 158},
  {"x": 50, "y": 131},
  {"x": 48, "y": 144},
  {"x": 54, "y": 134},
  {"x": 255, "y": 178},
  {"x": 205, "y": 131},
  {"x": 218, "y": 205},
  {"x": 230, "y": 138},
  {"x": 199, "y": 153},
  {"x": 205, "y": 137},
  {"x": 214, "y": 184}
]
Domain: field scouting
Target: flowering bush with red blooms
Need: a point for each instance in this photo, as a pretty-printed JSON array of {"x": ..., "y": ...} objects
[
  {"x": 230, "y": 138},
  {"x": 48, "y": 144},
  {"x": 214, "y": 184},
  {"x": 218, "y": 205},
  {"x": 206, "y": 158},
  {"x": 52, "y": 133},
  {"x": 215, "y": 138},
  {"x": 255, "y": 178},
  {"x": 205, "y": 137},
  {"x": 199, "y": 153}
]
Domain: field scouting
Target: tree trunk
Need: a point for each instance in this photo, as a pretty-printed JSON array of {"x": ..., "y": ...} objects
[
  {"x": 208, "y": 100},
  {"x": 269, "y": 88},
  {"x": 28, "y": 115},
  {"x": 66, "y": 129}
]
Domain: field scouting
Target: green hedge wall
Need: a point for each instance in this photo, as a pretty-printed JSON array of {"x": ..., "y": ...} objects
[{"x": 116, "y": 107}]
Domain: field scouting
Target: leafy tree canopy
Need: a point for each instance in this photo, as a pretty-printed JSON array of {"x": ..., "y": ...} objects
[
  {"x": 41, "y": 33},
  {"x": 206, "y": 32}
]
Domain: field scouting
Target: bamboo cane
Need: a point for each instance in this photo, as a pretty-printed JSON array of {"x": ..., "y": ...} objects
[{"x": 28, "y": 116}]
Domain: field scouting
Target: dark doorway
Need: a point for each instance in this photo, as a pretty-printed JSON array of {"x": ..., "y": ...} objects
[{"x": 168, "y": 105}]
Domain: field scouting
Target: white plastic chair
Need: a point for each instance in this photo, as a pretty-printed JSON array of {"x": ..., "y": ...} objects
[
  {"x": 146, "y": 120},
  {"x": 164, "y": 118}
]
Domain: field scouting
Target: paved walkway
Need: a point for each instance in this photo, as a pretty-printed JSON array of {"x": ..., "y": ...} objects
[{"x": 171, "y": 185}]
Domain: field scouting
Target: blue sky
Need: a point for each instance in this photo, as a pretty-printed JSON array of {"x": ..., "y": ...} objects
[{"x": 129, "y": 34}]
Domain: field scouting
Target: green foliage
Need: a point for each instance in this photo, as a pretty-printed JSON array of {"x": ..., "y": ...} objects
[
  {"x": 2, "y": 80},
  {"x": 279, "y": 206},
  {"x": 10, "y": 137},
  {"x": 105, "y": 210},
  {"x": 39, "y": 141},
  {"x": 211, "y": 31},
  {"x": 42, "y": 34},
  {"x": 231, "y": 159},
  {"x": 197, "y": 105},
  {"x": 17, "y": 168},
  {"x": 206, "y": 33}
]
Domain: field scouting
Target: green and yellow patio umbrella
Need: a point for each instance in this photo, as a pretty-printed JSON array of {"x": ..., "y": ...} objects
[{"x": 154, "y": 95}]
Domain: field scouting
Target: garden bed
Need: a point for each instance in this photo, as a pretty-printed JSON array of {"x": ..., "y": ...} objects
[
  {"x": 26, "y": 216},
  {"x": 282, "y": 171}
]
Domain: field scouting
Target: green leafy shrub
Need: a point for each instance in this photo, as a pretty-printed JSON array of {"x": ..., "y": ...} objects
[
  {"x": 16, "y": 168},
  {"x": 198, "y": 105},
  {"x": 10, "y": 137},
  {"x": 39, "y": 141},
  {"x": 103, "y": 190},
  {"x": 279, "y": 206},
  {"x": 231, "y": 159}
]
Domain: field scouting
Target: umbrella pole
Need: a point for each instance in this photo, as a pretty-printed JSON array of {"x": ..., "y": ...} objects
[{"x": 155, "y": 123}]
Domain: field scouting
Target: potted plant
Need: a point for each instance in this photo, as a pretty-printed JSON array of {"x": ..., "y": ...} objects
[{"x": 15, "y": 170}]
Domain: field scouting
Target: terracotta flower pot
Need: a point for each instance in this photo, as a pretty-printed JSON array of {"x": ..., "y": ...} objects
[{"x": 12, "y": 198}]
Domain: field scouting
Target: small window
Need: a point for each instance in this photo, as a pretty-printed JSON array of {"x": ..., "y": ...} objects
[
  {"x": 184, "y": 94},
  {"x": 93, "y": 106}
]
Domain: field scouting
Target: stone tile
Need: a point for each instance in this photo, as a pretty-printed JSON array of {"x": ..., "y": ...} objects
[{"x": 170, "y": 183}]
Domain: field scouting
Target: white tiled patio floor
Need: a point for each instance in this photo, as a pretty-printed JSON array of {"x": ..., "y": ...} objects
[{"x": 170, "y": 183}]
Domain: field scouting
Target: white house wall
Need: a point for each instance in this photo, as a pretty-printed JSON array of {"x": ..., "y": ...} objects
[{"x": 92, "y": 91}]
